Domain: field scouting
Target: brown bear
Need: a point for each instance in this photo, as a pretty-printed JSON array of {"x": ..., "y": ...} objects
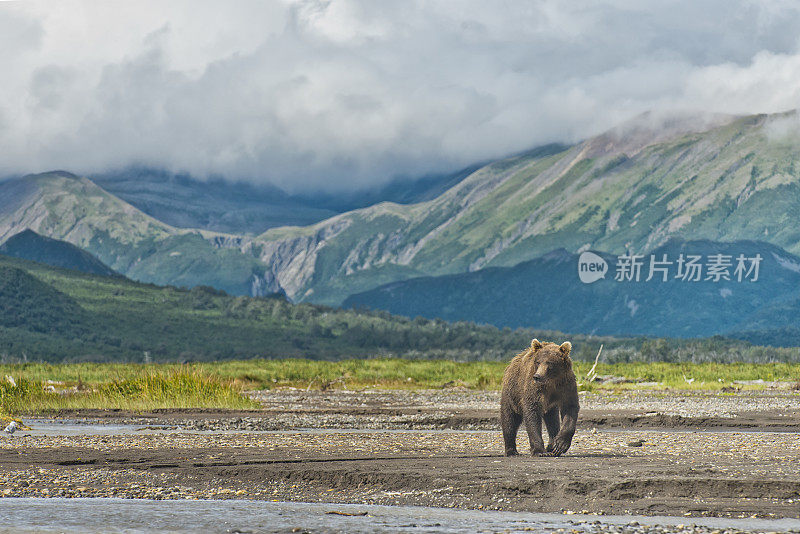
[{"x": 539, "y": 384}]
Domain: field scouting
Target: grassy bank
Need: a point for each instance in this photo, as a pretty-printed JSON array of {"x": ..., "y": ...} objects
[{"x": 42, "y": 387}]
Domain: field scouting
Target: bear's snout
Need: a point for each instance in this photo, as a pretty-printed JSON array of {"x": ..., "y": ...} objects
[{"x": 541, "y": 373}]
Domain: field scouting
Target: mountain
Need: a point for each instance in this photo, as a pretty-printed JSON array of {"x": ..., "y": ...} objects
[
  {"x": 243, "y": 208},
  {"x": 63, "y": 206},
  {"x": 61, "y": 315},
  {"x": 716, "y": 178},
  {"x": 184, "y": 202},
  {"x": 31, "y": 246},
  {"x": 66, "y": 207},
  {"x": 31, "y": 305},
  {"x": 548, "y": 292},
  {"x": 652, "y": 179},
  {"x": 399, "y": 190},
  {"x": 54, "y": 315}
]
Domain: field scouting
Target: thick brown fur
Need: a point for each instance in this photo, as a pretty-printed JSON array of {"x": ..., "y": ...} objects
[{"x": 539, "y": 385}]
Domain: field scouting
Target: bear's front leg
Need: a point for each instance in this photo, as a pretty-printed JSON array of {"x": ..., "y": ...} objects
[
  {"x": 510, "y": 422},
  {"x": 553, "y": 424},
  {"x": 569, "y": 421},
  {"x": 533, "y": 424}
]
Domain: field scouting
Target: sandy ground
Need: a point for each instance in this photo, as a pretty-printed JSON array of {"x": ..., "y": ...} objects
[{"x": 735, "y": 455}]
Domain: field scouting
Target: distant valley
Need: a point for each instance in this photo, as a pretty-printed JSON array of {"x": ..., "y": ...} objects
[
  {"x": 184, "y": 202},
  {"x": 243, "y": 208}
]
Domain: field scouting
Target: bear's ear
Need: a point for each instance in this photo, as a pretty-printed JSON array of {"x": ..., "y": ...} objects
[
  {"x": 565, "y": 348},
  {"x": 536, "y": 344}
]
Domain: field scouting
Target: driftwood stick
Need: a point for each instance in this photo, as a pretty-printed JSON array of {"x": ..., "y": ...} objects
[{"x": 591, "y": 375}]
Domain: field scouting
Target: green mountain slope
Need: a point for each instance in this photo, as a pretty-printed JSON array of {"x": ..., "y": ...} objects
[
  {"x": 62, "y": 206},
  {"x": 722, "y": 179},
  {"x": 64, "y": 315},
  {"x": 60, "y": 315},
  {"x": 29, "y": 245},
  {"x": 547, "y": 292},
  {"x": 31, "y": 305}
]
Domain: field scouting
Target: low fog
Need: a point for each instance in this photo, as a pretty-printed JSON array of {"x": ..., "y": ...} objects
[{"x": 344, "y": 95}]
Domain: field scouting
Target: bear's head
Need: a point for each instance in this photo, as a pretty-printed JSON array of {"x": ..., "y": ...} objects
[{"x": 550, "y": 361}]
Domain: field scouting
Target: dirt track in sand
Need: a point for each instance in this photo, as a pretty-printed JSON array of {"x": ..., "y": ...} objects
[{"x": 738, "y": 456}]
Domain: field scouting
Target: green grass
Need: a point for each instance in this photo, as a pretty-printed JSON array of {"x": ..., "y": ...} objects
[
  {"x": 134, "y": 388},
  {"x": 423, "y": 374},
  {"x": 220, "y": 384},
  {"x": 693, "y": 376}
]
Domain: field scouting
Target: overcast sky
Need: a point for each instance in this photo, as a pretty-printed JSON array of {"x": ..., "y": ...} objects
[{"x": 348, "y": 94}]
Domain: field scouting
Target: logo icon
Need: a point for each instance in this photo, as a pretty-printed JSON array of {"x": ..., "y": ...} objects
[{"x": 591, "y": 267}]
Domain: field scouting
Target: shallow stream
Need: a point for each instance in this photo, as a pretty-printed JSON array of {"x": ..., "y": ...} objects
[{"x": 210, "y": 516}]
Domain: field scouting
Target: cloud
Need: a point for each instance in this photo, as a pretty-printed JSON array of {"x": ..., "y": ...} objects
[{"x": 346, "y": 94}]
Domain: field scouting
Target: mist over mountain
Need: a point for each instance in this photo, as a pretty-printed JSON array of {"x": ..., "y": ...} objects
[
  {"x": 244, "y": 208},
  {"x": 185, "y": 202},
  {"x": 399, "y": 191}
]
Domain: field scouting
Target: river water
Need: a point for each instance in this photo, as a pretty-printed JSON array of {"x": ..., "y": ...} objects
[{"x": 211, "y": 516}]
